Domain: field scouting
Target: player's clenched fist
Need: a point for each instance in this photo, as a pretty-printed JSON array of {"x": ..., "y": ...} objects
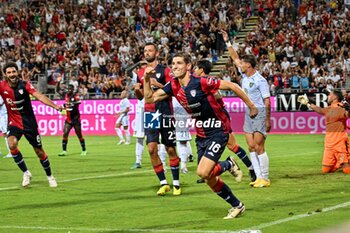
[
  {"x": 149, "y": 71},
  {"x": 303, "y": 99}
]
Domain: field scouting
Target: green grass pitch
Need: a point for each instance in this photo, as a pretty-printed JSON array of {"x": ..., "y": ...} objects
[{"x": 99, "y": 192}]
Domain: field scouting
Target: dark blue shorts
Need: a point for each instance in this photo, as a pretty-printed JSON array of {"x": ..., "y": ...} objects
[
  {"x": 32, "y": 135},
  {"x": 212, "y": 147},
  {"x": 168, "y": 136}
]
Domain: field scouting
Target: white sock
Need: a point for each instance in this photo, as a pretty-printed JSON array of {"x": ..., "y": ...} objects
[
  {"x": 256, "y": 164},
  {"x": 119, "y": 133},
  {"x": 7, "y": 145},
  {"x": 127, "y": 134},
  {"x": 162, "y": 154},
  {"x": 264, "y": 165},
  {"x": 189, "y": 148},
  {"x": 139, "y": 149},
  {"x": 176, "y": 182},
  {"x": 183, "y": 153}
]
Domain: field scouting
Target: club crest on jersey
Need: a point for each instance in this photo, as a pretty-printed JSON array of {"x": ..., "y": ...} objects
[
  {"x": 193, "y": 93},
  {"x": 158, "y": 75},
  {"x": 72, "y": 99},
  {"x": 20, "y": 91},
  {"x": 251, "y": 84}
]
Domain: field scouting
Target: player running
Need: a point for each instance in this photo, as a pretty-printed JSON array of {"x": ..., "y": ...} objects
[
  {"x": 202, "y": 69},
  {"x": 196, "y": 95},
  {"x": 21, "y": 120}
]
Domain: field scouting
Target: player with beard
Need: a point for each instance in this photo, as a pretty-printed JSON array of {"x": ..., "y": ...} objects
[
  {"x": 160, "y": 77},
  {"x": 196, "y": 95},
  {"x": 21, "y": 120}
]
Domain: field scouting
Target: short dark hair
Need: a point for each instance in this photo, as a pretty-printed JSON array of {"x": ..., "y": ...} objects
[
  {"x": 205, "y": 65},
  {"x": 9, "y": 65},
  {"x": 185, "y": 56},
  {"x": 339, "y": 95},
  {"x": 152, "y": 44},
  {"x": 250, "y": 59},
  {"x": 71, "y": 86}
]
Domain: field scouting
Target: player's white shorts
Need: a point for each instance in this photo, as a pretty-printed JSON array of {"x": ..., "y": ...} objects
[
  {"x": 123, "y": 120},
  {"x": 3, "y": 123},
  {"x": 183, "y": 135},
  {"x": 257, "y": 124},
  {"x": 139, "y": 130}
]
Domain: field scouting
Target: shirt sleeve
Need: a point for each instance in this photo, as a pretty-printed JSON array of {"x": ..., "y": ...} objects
[
  {"x": 30, "y": 88},
  {"x": 168, "y": 89},
  {"x": 210, "y": 85},
  {"x": 264, "y": 88},
  {"x": 167, "y": 74}
]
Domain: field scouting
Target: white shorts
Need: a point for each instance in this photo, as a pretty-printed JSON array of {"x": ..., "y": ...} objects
[
  {"x": 183, "y": 135},
  {"x": 123, "y": 120},
  {"x": 258, "y": 124},
  {"x": 3, "y": 123},
  {"x": 139, "y": 130}
]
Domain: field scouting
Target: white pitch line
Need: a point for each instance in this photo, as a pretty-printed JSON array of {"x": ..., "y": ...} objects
[
  {"x": 284, "y": 220},
  {"x": 90, "y": 178},
  {"x": 68, "y": 229}
]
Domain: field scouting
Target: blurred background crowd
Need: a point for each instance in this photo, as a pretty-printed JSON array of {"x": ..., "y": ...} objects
[{"x": 300, "y": 45}]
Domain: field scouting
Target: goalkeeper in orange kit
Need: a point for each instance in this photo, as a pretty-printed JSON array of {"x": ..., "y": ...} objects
[{"x": 336, "y": 143}]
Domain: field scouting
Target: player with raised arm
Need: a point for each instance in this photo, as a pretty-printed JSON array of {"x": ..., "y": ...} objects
[
  {"x": 255, "y": 129},
  {"x": 336, "y": 144},
  {"x": 123, "y": 119},
  {"x": 21, "y": 120},
  {"x": 71, "y": 110},
  {"x": 196, "y": 95},
  {"x": 160, "y": 77}
]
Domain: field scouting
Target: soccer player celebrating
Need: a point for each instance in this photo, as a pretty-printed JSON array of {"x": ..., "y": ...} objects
[
  {"x": 196, "y": 95},
  {"x": 255, "y": 129},
  {"x": 160, "y": 77},
  {"x": 123, "y": 119},
  {"x": 71, "y": 104},
  {"x": 336, "y": 143},
  {"x": 21, "y": 120},
  {"x": 203, "y": 69}
]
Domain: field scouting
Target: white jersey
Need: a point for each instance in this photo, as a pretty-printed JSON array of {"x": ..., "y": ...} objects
[
  {"x": 257, "y": 88},
  {"x": 123, "y": 105},
  {"x": 139, "y": 130},
  {"x": 3, "y": 116},
  {"x": 3, "y": 110},
  {"x": 182, "y": 133}
]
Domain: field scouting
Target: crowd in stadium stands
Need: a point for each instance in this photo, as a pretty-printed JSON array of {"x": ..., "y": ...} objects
[{"x": 92, "y": 45}]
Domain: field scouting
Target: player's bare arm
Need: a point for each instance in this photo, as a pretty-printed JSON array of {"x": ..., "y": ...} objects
[
  {"x": 232, "y": 52},
  {"x": 224, "y": 85},
  {"x": 267, "y": 104},
  {"x": 42, "y": 98},
  {"x": 155, "y": 83},
  {"x": 138, "y": 91},
  {"x": 150, "y": 95}
]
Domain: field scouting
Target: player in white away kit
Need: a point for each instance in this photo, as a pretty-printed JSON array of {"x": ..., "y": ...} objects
[
  {"x": 183, "y": 136},
  {"x": 3, "y": 125},
  {"x": 123, "y": 119},
  {"x": 256, "y": 129}
]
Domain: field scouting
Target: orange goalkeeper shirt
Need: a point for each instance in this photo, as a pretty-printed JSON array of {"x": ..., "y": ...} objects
[{"x": 336, "y": 134}]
